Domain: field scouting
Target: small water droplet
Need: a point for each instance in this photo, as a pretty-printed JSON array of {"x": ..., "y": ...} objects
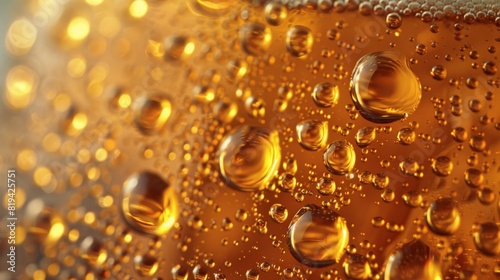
[
  {"x": 325, "y": 95},
  {"x": 365, "y": 136},
  {"x": 278, "y": 213},
  {"x": 326, "y": 186}
]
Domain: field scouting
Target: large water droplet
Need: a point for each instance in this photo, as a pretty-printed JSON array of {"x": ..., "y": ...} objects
[
  {"x": 149, "y": 203},
  {"x": 325, "y": 95},
  {"x": 151, "y": 114},
  {"x": 487, "y": 239},
  {"x": 443, "y": 216},
  {"x": 255, "y": 38},
  {"x": 415, "y": 260},
  {"x": 299, "y": 40},
  {"x": 317, "y": 237},
  {"x": 357, "y": 266},
  {"x": 339, "y": 158},
  {"x": 312, "y": 134},
  {"x": 384, "y": 88},
  {"x": 249, "y": 157}
]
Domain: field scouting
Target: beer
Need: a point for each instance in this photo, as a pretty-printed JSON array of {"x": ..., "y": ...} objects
[{"x": 217, "y": 139}]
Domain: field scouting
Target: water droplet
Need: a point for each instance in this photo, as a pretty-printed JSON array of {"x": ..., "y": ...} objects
[
  {"x": 325, "y": 95},
  {"x": 459, "y": 134},
  {"x": 299, "y": 40},
  {"x": 421, "y": 49},
  {"x": 365, "y": 136},
  {"x": 489, "y": 68},
  {"x": 275, "y": 13},
  {"x": 380, "y": 181},
  {"x": 317, "y": 237},
  {"x": 149, "y": 203},
  {"x": 225, "y": 111},
  {"x": 287, "y": 182},
  {"x": 93, "y": 251},
  {"x": 383, "y": 87},
  {"x": 178, "y": 48},
  {"x": 339, "y": 158},
  {"x": 146, "y": 265},
  {"x": 255, "y": 38},
  {"x": 255, "y": 107},
  {"x": 326, "y": 186},
  {"x": 409, "y": 166},
  {"x": 438, "y": 72},
  {"x": 443, "y": 216},
  {"x": 249, "y": 157},
  {"x": 487, "y": 239},
  {"x": 415, "y": 260},
  {"x": 474, "y": 178},
  {"x": 393, "y": 20},
  {"x": 442, "y": 166},
  {"x": 357, "y": 266},
  {"x": 406, "y": 136},
  {"x": 278, "y": 213},
  {"x": 477, "y": 143},
  {"x": 312, "y": 134},
  {"x": 151, "y": 114}
]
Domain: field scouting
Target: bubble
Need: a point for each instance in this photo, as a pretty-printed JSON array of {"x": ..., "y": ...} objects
[
  {"x": 278, "y": 213},
  {"x": 487, "y": 239},
  {"x": 151, "y": 114},
  {"x": 357, "y": 266},
  {"x": 406, "y": 136},
  {"x": 438, "y": 72},
  {"x": 146, "y": 265},
  {"x": 225, "y": 111},
  {"x": 299, "y": 40},
  {"x": 339, "y": 158},
  {"x": 317, "y": 237},
  {"x": 94, "y": 251},
  {"x": 178, "y": 48},
  {"x": 414, "y": 260},
  {"x": 380, "y": 181},
  {"x": 393, "y": 20},
  {"x": 255, "y": 107},
  {"x": 383, "y": 87},
  {"x": 489, "y": 68},
  {"x": 442, "y": 166},
  {"x": 44, "y": 223},
  {"x": 443, "y": 216},
  {"x": 312, "y": 134},
  {"x": 477, "y": 143},
  {"x": 249, "y": 157},
  {"x": 474, "y": 178},
  {"x": 149, "y": 203},
  {"x": 413, "y": 198},
  {"x": 20, "y": 87},
  {"x": 421, "y": 49},
  {"x": 252, "y": 274},
  {"x": 287, "y": 182},
  {"x": 459, "y": 134},
  {"x": 326, "y": 186},
  {"x": 325, "y": 95},
  {"x": 255, "y": 38},
  {"x": 275, "y": 13},
  {"x": 365, "y": 136},
  {"x": 409, "y": 166}
]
